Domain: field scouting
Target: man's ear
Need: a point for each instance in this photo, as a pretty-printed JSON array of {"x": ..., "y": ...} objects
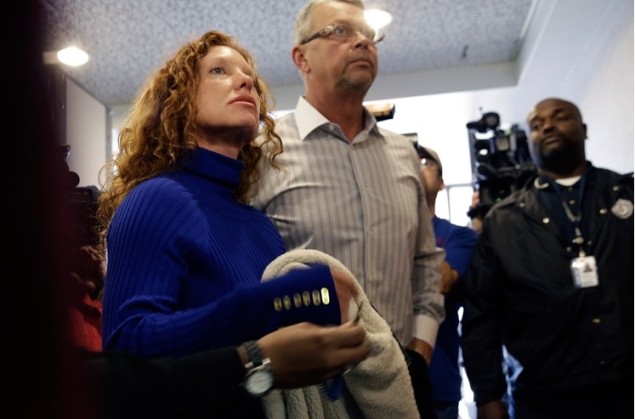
[
  {"x": 584, "y": 130},
  {"x": 297, "y": 55},
  {"x": 441, "y": 184}
]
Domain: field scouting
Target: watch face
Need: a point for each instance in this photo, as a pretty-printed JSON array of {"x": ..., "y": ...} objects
[{"x": 259, "y": 381}]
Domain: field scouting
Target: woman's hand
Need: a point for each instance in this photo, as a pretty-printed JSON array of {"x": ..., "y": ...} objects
[{"x": 305, "y": 354}]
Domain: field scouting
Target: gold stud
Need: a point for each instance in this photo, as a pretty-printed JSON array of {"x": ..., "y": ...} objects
[
  {"x": 326, "y": 297},
  {"x": 277, "y": 304}
]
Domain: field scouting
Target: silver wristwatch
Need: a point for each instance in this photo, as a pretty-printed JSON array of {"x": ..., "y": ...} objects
[{"x": 259, "y": 378}]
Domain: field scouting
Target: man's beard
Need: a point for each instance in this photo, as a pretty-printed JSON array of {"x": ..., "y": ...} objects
[{"x": 559, "y": 159}]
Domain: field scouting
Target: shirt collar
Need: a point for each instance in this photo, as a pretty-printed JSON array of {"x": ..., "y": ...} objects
[
  {"x": 543, "y": 182},
  {"x": 309, "y": 119}
]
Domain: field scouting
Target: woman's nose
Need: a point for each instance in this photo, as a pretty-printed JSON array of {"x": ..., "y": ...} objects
[{"x": 245, "y": 82}]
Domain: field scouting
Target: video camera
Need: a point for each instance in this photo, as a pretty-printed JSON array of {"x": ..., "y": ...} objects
[{"x": 501, "y": 162}]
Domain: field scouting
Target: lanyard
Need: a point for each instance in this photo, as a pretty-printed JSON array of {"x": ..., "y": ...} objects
[{"x": 574, "y": 219}]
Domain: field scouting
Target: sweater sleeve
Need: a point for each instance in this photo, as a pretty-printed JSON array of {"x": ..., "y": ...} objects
[{"x": 147, "y": 274}]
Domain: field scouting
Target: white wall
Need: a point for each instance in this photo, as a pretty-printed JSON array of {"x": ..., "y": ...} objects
[
  {"x": 582, "y": 52},
  {"x": 87, "y": 133}
]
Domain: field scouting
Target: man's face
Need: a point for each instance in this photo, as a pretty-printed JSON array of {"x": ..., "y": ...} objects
[
  {"x": 432, "y": 181},
  {"x": 556, "y": 129},
  {"x": 226, "y": 98},
  {"x": 348, "y": 64}
]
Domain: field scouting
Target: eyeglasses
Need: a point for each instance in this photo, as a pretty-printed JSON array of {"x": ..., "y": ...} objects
[
  {"x": 344, "y": 32},
  {"x": 428, "y": 162}
]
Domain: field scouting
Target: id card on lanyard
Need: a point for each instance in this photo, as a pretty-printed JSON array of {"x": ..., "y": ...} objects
[
  {"x": 584, "y": 272},
  {"x": 584, "y": 267}
]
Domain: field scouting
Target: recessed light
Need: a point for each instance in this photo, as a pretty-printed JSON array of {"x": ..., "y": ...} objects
[
  {"x": 72, "y": 56},
  {"x": 377, "y": 18}
]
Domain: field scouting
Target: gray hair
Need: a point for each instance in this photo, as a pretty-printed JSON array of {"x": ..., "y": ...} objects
[{"x": 303, "y": 19}]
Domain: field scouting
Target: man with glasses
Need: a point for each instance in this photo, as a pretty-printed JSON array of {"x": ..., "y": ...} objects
[{"x": 351, "y": 189}]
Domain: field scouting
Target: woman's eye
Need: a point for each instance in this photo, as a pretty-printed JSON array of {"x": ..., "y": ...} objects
[{"x": 217, "y": 70}]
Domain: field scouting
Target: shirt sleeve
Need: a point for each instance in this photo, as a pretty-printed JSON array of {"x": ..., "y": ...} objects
[
  {"x": 458, "y": 253},
  {"x": 428, "y": 301}
]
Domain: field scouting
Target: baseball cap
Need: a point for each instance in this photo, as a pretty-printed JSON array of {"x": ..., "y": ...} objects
[{"x": 428, "y": 153}]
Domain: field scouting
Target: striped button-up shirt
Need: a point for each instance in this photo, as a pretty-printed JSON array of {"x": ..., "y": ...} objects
[{"x": 363, "y": 203}]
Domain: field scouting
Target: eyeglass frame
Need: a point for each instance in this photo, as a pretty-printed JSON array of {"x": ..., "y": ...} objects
[
  {"x": 428, "y": 162},
  {"x": 330, "y": 29}
]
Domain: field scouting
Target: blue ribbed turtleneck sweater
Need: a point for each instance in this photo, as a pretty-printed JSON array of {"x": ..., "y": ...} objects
[{"x": 185, "y": 261}]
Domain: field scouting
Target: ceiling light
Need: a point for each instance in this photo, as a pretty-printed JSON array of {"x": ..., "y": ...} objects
[
  {"x": 377, "y": 18},
  {"x": 72, "y": 56}
]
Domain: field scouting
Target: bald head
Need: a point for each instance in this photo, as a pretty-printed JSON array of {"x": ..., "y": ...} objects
[
  {"x": 557, "y": 136},
  {"x": 554, "y": 102}
]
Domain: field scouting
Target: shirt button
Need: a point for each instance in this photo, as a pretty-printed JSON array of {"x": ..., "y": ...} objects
[
  {"x": 596, "y": 321},
  {"x": 545, "y": 220}
]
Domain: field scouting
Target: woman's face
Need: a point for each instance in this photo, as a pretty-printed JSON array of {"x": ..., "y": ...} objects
[{"x": 227, "y": 102}]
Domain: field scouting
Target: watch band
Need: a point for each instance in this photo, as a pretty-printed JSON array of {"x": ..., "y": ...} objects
[
  {"x": 259, "y": 379},
  {"x": 254, "y": 354}
]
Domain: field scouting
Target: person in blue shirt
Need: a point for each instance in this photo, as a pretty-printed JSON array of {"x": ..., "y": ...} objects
[
  {"x": 185, "y": 252},
  {"x": 458, "y": 242}
]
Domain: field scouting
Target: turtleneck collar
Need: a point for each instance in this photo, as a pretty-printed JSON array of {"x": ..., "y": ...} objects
[{"x": 214, "y": 166}]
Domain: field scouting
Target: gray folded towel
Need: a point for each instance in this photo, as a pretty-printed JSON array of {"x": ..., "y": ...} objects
[{"x": 377, "y": 388}]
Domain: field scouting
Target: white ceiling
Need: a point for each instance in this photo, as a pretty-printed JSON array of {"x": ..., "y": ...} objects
[{"x": 128, "y": 39}]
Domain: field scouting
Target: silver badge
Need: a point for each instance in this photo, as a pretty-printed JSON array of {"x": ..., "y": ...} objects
[{"x": 622, "y": 208}]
